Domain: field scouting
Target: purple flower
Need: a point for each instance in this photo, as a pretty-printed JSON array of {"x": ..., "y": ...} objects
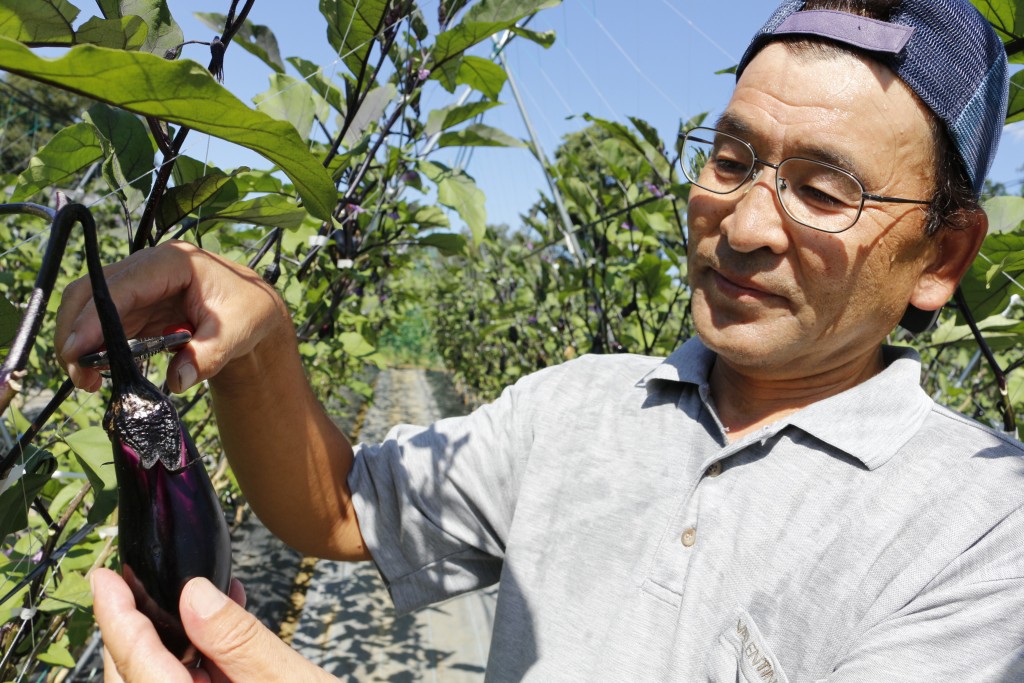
[
  {"x": 410, "y": 177},
  {"x": 37, "y": 558},
  {"x": 528, "y": 245},
  {"x": 532, "y": 320},
  {"x": 654, "y": 189},
  {"x": 423, "y": 74},
  {"x": 354, "y": 209},
  {"x": 626, "y": 225}
]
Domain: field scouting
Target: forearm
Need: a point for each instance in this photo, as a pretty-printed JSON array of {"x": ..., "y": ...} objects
[{"x": 290, "y": 460}]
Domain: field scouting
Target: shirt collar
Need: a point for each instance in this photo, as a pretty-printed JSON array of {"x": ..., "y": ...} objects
[{"x": 870, "y": 422}]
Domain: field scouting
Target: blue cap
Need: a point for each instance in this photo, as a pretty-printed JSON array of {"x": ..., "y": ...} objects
[{"x": 944, "y": 50}]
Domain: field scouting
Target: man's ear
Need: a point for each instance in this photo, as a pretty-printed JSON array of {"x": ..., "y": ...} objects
[{"x": 957, "y": 247}]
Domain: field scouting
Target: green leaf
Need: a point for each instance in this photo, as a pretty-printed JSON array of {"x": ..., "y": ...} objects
[
  {"x": 164, "y": 33},
  {"x": 255, "y": 39},
  {"x": 15, "y": 500},
  {"x": 1005, "y": 16},
  {"x": 10, "y": 318},
  {"x": 182, "y": 200},
  {"x": 93, "y": 451},
  {"x": 57, "y": 654},
  {"x": 292, "y": 100},
  {"x": 448, "y": 243},
  {"x": 184, "y": 93},
  {"x": 72, "y": 592},
  {"x": 1005, "y": 213},
  {"x": 457, "y": 190},
  {"x": 1015, "y": 106},
  {"x": 67, "y": 153},
  {"x": 314, "y": 75},
  {"x": 482, "y": 75},
  {"x": 430, "y": 217},
  {"x": 129, "y": 153},
  {"x": 126, "y": 33},
  {"x": 481, "y": 22},
  {"x": 453, "y": 115},
  {"x": 354, "y": 344},
  {"x": 38, "y": 22},
  {"x": 373, "y": 107},
  {"x": 351, "y": 28},
  {"x": 479, "y": 135},
  {"x": 545, "y": 39},
  {"x": 272, "y": 210}
]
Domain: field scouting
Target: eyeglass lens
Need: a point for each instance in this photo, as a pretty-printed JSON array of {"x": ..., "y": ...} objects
[{"x": 813, "y": 193}]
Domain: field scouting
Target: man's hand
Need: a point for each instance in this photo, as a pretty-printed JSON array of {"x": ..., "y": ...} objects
[
  {"x": 235, "y": 645},
  {"x": 232, "y": 310}
]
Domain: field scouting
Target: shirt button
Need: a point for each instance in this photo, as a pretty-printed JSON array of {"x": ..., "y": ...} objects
[
  {"x": 714, "y": 470},
  {"x": 689, "y": 537}
]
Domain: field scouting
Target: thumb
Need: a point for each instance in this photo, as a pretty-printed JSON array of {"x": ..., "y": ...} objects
[{"x": 236, "y": 642}]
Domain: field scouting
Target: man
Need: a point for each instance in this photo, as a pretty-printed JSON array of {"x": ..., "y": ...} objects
[{"x": 776, "y": 501}]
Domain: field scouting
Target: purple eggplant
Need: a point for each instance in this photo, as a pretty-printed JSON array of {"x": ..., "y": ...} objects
[
  {"x": 171, "y": 527},
  {"x": 170, "y": 524}
]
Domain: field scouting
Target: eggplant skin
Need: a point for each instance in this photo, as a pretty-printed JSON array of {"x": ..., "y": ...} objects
[{"x": 171, "y": 528}]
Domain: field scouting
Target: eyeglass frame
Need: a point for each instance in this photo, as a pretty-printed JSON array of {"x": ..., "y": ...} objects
[{"x": 753, "y": 174}]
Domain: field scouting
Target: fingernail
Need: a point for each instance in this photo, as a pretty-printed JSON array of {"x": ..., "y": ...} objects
[
  {"x": 68, "y": 345},
  {"x": 186, "y": 376},
  {"x": 204, "y": 598}
]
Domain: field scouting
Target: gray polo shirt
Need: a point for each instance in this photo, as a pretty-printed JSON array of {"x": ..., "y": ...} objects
[{"x": 873, "y": 536}]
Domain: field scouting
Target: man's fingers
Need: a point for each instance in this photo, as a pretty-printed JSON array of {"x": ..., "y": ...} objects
[
  {"x": 110, "y": 673},
  {"x": 236, "y": 643},
  {"x": 134, "y": 650}
]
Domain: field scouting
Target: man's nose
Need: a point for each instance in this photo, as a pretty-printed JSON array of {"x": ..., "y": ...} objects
[{"x": 757, "y": 220}]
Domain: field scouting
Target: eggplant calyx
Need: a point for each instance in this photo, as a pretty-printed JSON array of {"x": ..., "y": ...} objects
[{"x": 146, "y": 424}]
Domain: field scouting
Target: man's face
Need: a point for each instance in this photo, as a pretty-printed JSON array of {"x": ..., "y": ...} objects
[{"x": 776, "y": 297}]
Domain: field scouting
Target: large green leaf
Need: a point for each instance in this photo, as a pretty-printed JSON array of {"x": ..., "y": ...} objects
[
  {"x": 65, "y": 155},
  {"x": 447, "y": 243},
  {"x": 457, "y": 190},
  {"x": 479, "y": 135},
  {"x": 183, "y": 199},
  {"x": 294, "y": 101},
  {"x": 184, "y": 93},
  {"x": 482, "y": 75},
  {"x": 1005, "y": 16},
  {"x": 129, "y": 153},
  {"x": 164, "y": 33},
  {"x": 253, "y": 38},
  {"x": 126, "y": 33},
  {"x": 1005, "y": 213},
  {"x": 481, "y": 22},
  {"x": 314, "y": 75},
  {"x": 271, "y": 210},
  {"x": 443, "y": 119},
  {"x": 72, "y": 592},
  {"x": 373, "y": 107},
  {"x": 1015, "y": 105},
  {"x": 38, "y": 22},
  {"x": 351, "y": 28}
]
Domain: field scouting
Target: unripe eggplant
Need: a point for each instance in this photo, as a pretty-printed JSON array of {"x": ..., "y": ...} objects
[{"x": 170, "y": 524}]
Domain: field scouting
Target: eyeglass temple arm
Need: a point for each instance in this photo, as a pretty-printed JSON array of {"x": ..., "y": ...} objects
[{"x": 894, "y": 200}]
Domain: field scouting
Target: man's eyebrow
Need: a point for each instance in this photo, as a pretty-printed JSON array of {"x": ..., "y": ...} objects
[{"x": 730, "y": 123}]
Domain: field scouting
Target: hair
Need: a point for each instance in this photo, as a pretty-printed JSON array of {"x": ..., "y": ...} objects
[{"x": 953, "y": 198}]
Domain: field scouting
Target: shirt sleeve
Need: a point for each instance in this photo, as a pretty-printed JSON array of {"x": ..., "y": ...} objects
[
  {"x": 967, "y": 625},
  {"x": 435, "y": 503}
]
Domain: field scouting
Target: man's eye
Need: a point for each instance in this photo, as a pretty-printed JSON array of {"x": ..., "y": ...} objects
[{"x": 729, "y": 166}]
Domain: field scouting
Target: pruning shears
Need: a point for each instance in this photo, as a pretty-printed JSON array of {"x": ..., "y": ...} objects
[{"x": 173, "y": 338}]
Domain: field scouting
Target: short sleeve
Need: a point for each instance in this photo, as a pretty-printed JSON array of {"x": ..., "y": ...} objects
[
  {"x": 435, "y": 503},
  {"x": 967, "y": 625}
]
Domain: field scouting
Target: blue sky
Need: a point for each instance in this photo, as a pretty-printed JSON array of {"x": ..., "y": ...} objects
[{"x": 654, "y": 59}]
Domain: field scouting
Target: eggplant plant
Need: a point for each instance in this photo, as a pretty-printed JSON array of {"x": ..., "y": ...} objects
[{"x": 170, "y": 524}]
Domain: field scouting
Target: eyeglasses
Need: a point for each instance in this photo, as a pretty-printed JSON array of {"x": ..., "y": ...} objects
[{"x": 813, "y": 193}]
